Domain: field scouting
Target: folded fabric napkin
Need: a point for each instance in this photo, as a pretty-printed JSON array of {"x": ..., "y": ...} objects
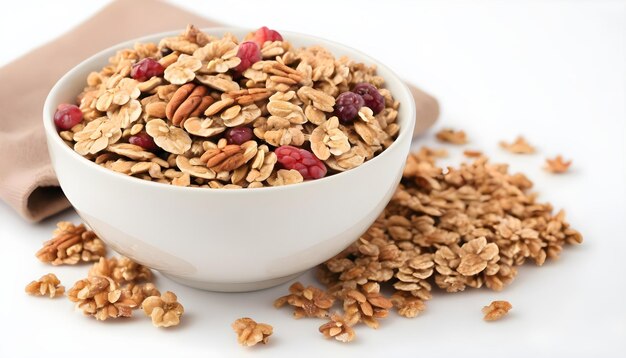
[{"x": 27, "y": 180}]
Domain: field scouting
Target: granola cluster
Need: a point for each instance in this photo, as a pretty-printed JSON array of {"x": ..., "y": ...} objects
[
  {"x": 459, "y": 228},
  {"x": 197, "y": 110},
  {"x": 70, "y": 245},
  {"x": 114, "y": 286}
]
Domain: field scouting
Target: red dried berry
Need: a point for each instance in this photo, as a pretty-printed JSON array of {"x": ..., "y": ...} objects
[
  {"x": 347, "y": 106},
  {"x": 372, "y": 98},
  {"x": 146, "y": 69},
  {"x": 238, "y": 135},
  {"x": 143, "y": 140},
  {"x": 67, "y": 116},
  {"x": 249, "y": 53},
  {"x": 301, "y": 160},
  {"x": 264, "y": 34}
]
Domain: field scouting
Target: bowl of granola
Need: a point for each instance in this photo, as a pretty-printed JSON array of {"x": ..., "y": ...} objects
[{"x": 229, "y": 159}]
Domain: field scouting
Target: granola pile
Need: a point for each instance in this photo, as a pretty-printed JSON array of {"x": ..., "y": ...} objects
[
  {"x": 197, "y": 110},
  {"x": 457, "y": 228},
  {"x": 113, "y": 288}
]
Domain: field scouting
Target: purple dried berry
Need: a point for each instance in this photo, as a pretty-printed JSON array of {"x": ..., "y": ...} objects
[
  {"x": 347, "y": 106},
  {"x": 372, "y": 98},
  {"x": 238, "y": 135}
]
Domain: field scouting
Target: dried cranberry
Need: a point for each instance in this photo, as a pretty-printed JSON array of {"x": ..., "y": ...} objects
[
  {"x": 249, "y": 53},
  {"x": 67, "y": 116},
  {"x": 146, "y": 69},
  {"x": 347, "y": 106},
  {"x": 301, "y": 160},
  {"x": 143, "y": 140},
  {"x": 264, "y": 34},
  {"x": 238, "y": 135},
  {"x": 372, "y": 98}
]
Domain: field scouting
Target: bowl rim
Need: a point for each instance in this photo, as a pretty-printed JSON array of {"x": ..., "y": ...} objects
[{"x": 52, "y": 134}]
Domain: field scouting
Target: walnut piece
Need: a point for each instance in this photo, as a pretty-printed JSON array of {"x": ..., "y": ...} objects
[
  {"x": 338, "y": 329},
  {"x": 496, "y": 310},
  {"x": 557, "y": 165},
  {"x": 307, "y": 302},
  {"x": 249, "y": 332},
  {"x": 101, "y": 298},
  {"x": 452, "y": 136},
  {"x": 121, "y": 270},
  {"x": 164, "y": 310},
  {"x": 47, "y": 285},
  {"x": 519, "y": 146},
  {"x": 70, "y": 245}
]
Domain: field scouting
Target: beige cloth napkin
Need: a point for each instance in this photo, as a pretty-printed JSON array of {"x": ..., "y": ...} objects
[{"x": 27, "y": 181}]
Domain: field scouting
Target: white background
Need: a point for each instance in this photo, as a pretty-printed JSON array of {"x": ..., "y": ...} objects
[{"x": 551, "y": 70}]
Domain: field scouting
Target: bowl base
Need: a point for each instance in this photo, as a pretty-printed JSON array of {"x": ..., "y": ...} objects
[{"x": 232, "y": 287}]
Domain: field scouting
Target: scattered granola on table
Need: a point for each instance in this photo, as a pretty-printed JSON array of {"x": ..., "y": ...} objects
[
  {"x": 472, "y": 153},
  {"x": 121, "y": 269},
  {"x": 496, "y": 310},
  {"x": 70, "y": 245},
  {"x": 519, "y": 146},
  {"x": 449, "y": 135},
  {"x": 307, "y": 302},
  {"x": 463, "y": 227},
  {"x": 557, "y": 165},
  {"x": 202, "y": 111},
  {"x": 338, "y": 328},
  {"x": 249, "y": 332},
  {"x": 101, "y": 298},
  {"x": 47, "y": 285},
  {"x": 164, "y": 310}
]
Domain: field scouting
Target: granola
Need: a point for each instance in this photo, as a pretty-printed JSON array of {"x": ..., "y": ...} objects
[
  {"x": 101, "y": 298},
  {"x": 519, "y": 146},
  {"x": 469, "y": 226},
  {"x": 338, "y": 328},
  {"x": 174, "y": 102},
  {"x": 496, "y": 310},
  {"x": 249, "y": 332},
  {"x": 558, "y": 165},
  {"x": 70, "y": 245},
  {"x": 164, "y": 310},
  {"x": 452, "y": 136},
  {"x": 47, "y": 285}
]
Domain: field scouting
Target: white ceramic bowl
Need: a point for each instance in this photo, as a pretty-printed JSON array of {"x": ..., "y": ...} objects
[{"x": 228, "y": 240}]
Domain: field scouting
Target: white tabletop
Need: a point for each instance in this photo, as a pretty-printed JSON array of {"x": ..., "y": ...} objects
[{"x": 551, "y": 70}]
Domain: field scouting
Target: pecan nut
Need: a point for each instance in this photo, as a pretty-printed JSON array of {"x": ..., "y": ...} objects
[
  {"x": 188, "y": 101},
  {"x": 227, "y": 158}
]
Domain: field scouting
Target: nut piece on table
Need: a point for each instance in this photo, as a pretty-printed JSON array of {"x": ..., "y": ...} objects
[
  {"x": 407, "y": 305},
  {"x": 519, "y": 146},
  {"x": 47, "y": 285},
  {"x": 139, "y": 292},
  {"x": 308, "y": 302},
  {"x": 496, "y": 310},
  {"x": 365, "y": 304},
  {"x": 449, "y": 135},
  {"x": 249, "y": 332},
  {"x": 102, "y": 298},
  {"x": 121, "y": 270},
  {"x": 557, "y": 165},
  {"x": 337, "y": 328},
  {"x": 165, "y": 310},
  {"x": 70, "y": 245}
]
